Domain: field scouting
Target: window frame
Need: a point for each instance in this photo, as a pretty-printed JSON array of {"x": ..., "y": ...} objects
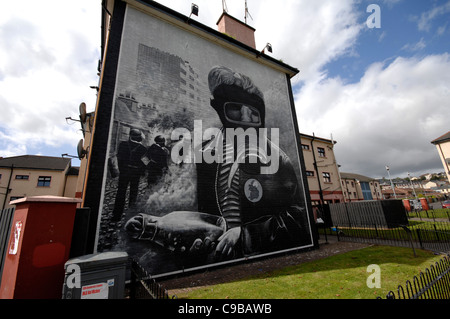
[
  {"x": 321, "y": 152},
  {"x": 45, "y": 181},
  {"x": 326, "y": 177}
]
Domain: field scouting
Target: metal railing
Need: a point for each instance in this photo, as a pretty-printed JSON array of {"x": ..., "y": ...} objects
[
  {"x": 6, "y": 218},
  {"x": 433, "y": 283},
  {"x": 434, "y": 240},
  {"x": 370, "y": 222},
  {"x": 143, "y": 286}
]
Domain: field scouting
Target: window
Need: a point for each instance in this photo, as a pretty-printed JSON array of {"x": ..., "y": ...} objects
[
  {"x": 23, "y": 177},
  {"x": 326, "y": 177},
  {"x": 305, "y": 147},
  {"x": 310, "y": 173},
  {"x": 321, "y": 151},
  {"x": 367, "y": 194},
  {"x": 44, "y": 181}
]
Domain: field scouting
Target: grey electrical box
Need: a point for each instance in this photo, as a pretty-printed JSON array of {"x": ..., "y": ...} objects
[{"x": 96, "y": 276}]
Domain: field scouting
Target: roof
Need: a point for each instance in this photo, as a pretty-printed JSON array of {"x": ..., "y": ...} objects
[
  {"x": 318, "y": 138},
  {"x": 359, "y": 177},
  {"x": 36, "y": 162},
  {"x": 73, "y": 171},
  {"x": 187, "y": 21},
  {"x": 441, "y": 139}
]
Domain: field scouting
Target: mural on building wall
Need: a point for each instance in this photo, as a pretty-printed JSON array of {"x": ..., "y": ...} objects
[{"x": 202, "y": 166}]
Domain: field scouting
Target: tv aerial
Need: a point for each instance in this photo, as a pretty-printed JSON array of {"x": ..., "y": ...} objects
[
  {"x": 247, "y": 13},
  {"x": 224, "y": 6}
]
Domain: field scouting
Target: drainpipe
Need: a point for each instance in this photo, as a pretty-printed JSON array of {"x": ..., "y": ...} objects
[{"x": 317, "y": 173}]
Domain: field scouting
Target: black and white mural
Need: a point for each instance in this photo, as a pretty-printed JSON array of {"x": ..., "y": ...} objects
[{"x": 203, "y": 164}]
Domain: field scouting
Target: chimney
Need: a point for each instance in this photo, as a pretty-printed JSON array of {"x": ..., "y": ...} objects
[{"x": 237, "y": 29}]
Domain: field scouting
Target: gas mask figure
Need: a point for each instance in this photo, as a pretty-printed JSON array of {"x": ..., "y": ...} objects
[
  {"x": 254, "y": 212},
  {"x": 262, "y": 210}
]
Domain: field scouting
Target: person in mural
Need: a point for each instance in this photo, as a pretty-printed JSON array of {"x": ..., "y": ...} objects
[
  {"x": 250, "y": 212},
  {"x": 131, "y": 168},
  {"x": 158, "y": 156}
]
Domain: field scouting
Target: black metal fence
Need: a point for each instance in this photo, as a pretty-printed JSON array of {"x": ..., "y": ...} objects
[
  {"x": 142, "y": 286},
  {"x": 6, "y": 218},
  {"x": 388, "y": 224},
  {"x": 433, "y": 283}
]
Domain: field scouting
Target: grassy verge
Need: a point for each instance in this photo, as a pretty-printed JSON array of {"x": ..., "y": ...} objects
[
  {"x": 338, "y": 277},
  {"x": 436, "y": 213}
]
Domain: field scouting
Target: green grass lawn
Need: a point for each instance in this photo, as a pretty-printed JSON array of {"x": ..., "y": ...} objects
[
  {"x": 436, "y": 213},
  {"x": 342, "y": 276}
]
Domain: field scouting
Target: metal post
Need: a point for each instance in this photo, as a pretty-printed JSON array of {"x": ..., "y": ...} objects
[
  {"x": 392, "y": 184},
  {"x": 412, "y": 185},
  {"x": 408, "y": 231}
]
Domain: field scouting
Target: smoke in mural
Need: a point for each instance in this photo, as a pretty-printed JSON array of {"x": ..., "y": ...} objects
[{"x": 202, "y": 164}]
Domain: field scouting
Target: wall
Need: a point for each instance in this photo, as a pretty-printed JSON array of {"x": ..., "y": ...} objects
[
  {"x": 331, "y": 189},
  {"x": 444, "y": 154},
  {"x": 199, "y": 212},
  {"x": 29, "y": 187}
]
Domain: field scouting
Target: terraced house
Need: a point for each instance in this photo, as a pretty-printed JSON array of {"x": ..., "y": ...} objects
[{"x": 29, "y": 175}]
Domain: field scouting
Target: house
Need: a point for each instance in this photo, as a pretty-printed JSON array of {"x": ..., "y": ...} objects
[
  {"x": 166, "y": 78},
  {"x": 322, "y": 172},
  {"x": 358, "y": 187},
  {"x": 442, "y": 144},
  {"x": 29, "y": 175}
]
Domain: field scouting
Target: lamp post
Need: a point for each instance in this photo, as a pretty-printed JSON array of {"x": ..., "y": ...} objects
[
  {"x": 392, "y": 184},
  {"x": 412, "y": 185}
]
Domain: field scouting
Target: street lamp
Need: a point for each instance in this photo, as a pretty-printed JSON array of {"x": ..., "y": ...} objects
[
  {"x": 392, "y": 184},
  {"x": 412, "y": 185}
]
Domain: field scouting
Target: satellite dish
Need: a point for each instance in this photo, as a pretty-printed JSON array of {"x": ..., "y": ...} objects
[
  {"x": 83, "y": 112},
  {"x": 80, "y": 150}
]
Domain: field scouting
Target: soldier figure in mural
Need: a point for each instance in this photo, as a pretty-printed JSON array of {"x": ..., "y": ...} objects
[
  {"x": 130, "y": 169},
  {"x": 158, "y": 156},
  {"x": 241, "y": 211}
]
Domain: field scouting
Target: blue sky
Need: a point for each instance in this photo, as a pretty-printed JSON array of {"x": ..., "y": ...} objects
[
  {"x": 382, "y": 93},
  {"x": 405, "y": 31}
]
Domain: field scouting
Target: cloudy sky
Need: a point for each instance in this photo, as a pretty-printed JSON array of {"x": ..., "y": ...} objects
[{"x": 382, "y": 91}]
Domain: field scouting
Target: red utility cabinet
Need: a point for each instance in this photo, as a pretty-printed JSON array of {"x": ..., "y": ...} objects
[{"x": 39, "y": 246}]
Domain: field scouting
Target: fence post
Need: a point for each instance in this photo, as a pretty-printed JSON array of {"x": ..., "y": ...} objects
[
  {"x": 419, "y": 237},
  {"x": 409, "y": 232},
  {"x": 436, "y": 232},
  {"x": 133, "y": 280}
]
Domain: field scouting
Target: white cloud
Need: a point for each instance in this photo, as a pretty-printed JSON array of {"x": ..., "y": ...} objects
[
  {"x": 48, "y": 59},
  {"x": 425, "y": 19},
  {"x": 420, "y": 45},
  {"x": 304, "y": 34},
  {"x": 49, "y": 51},
  {"x": 308, "y": 34},
  {"x": 390, "y": 116}
]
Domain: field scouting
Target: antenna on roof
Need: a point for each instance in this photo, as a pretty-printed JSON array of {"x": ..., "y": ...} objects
[
  {"x": 247, "y": 13},
  {"x": 224, "y": 6}
]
